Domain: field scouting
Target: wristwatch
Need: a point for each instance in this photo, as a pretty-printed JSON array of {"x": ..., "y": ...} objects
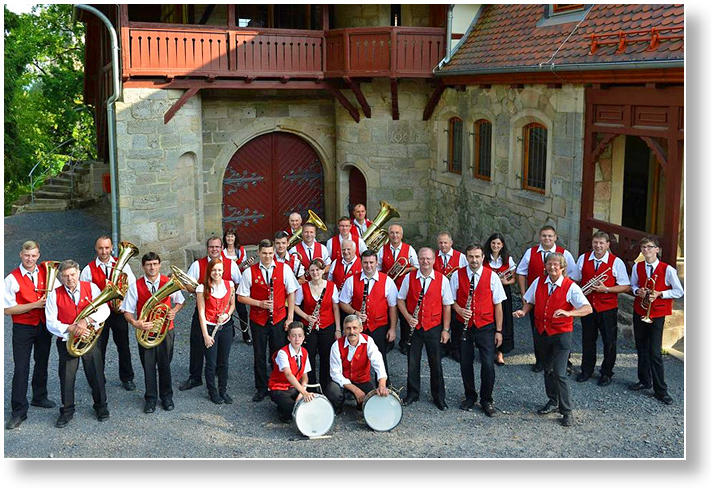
[{"x": 447, "y": 330}]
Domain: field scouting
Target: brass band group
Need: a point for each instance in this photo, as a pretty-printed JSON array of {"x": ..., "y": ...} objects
[{"x": 338, "y": 309}]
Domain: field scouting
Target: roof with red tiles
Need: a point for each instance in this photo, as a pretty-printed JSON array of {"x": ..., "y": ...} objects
[{"x": 510, "y": 38}]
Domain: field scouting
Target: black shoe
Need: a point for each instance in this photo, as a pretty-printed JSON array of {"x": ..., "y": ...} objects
[
  {"x": 639, "y": 386},
  {"x": 44, "y": 403},
  {"x": 409, "y": 400},
  {"x": 567, "y": 420},
  {"x": 548, "y": 408},
  {"x": 226, "y": 397},
  {"x": 215, "y": 397},
  {"x": 604, "y": 381},
  {"x": 102, "y": 414},
  {"x": 149, "y": 407},
  {"x": 403, "y": 349},
  {"x": 488, "y": 409},
  {"x": 582, "y": 377},
  {"x": 467, "y": 405},
  {"x": 441, "y": 405},
  {"x": 15, "y": 422},
  {"x": 129, "y": 385},
  {"x": 389, "y": 346},
  {"x": 457, "y": 357},
  {"x": 247, "y": 341},
  {"x": 168, "y": 405},
  {"x": 189, "y": 384},
  {"x": 538, "y": 367},
  {"x": 259, "y": 396},
  {"x": 666, "y": 398},
  {"x": 568, "y": 370},
  {"x": 63, "y": 420}
]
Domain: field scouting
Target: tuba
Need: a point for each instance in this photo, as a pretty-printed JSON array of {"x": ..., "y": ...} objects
[
  {"x": 313, "y": 219},
  {"x": 156, "y": 311},
  {"x": 79, "y": 345},
  {"x": 375, "y": 237},
  {"x": 51, "y": 270},
  {"x": 118, "y": 276}
]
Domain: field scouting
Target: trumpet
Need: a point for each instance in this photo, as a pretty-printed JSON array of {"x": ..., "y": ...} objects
[
  {"x": 647, "y": 299},
  {"x": 118, "y": 277},
  {"x": 51, "y": 271},
  {"x": 589, "y": 287},
  {"x": 398, "y": 268},
  {"x": 80, "y": 345},
  {"x": 313, "y": 219},
  {"x": 375, "y": 237},
  {"x": 507, "y": 274}
]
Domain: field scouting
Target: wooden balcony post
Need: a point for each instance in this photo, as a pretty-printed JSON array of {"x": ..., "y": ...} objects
[
  {"x": 231, "y": 19},
  {"x": 125, "y": 39},
  {"x": 325, "y": 16},
  {"x": 393, "y": 52},
  {"x": 347, "y": 50}
]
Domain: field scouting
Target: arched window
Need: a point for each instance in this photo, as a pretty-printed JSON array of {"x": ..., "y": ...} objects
[
  {"x": 482, "y": 149},
  {"x": 454, "y": 153},
  {"x": 535, "y": 149}
]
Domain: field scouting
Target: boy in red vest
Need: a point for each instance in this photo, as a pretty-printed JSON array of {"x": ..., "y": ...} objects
[
  {"x": 558, "y": 301},
  {"x": 352, "y": 357},
  {"x": 281, "y": 254},
  {"x": 25, "y": 297},
  {"x": 662, "y": 283},
  {"x": 160, "y": 356},
  {"x": 309, "y": 249},
  {"x": 288, "y": 380}
]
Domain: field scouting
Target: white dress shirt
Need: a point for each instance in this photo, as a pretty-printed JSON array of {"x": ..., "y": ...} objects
[
  {"x": 12, "y": 287},
  {"x": 526, "y": 259},
  {"x": 282, "y": 360},
  {"x": 411, "y": 257},
  {"x": 58, "y": 328},
  {"x": 670, "y": 278},
  {"x": 290, "y": 283},
  {"x": 361, "y": 244},
  {"x": 499, "y": 295},
  {"x": 346, "y": 296},
  {"x": 619, "y": 271},
  {"x": 311, "y": 251},
  {"x": 497, "y": 263},
  {"x": 574, "y": 296},
  {"x": 85, "y": 275},
  {"x": 361, "y": 227},
  {"x": 462, "y": 258},
  {"x": 299, "y": 295},
  {"x": 299, "y": 272},
  {"x": 130, "y": 302},
  {"x": 347, "y": 266},
  {"x": 194, "y": 271},
  {"x": 374, "y": 355},
  {"x": 446, "y": 289}
]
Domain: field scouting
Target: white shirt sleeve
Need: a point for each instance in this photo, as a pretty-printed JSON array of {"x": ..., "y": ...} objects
[
  {"x": 290, "y": 282},
  {"x": 672, "y": 279},
  {"x": 53, "y": 325},
  {"x": 282, "y": 360},
  {"x": 361, "y": 245},
  {"x": 404, "y": 288},
  {"x": 85, "y": 275},
  {"x": 634, "y": 280},
  {"x": 391, "y": 291},
  {"x": 575, "y": 297},
  {"x": 414, "y": 262},
  {"x": 131, "y": 300},
  {"x": 236, "y": 275},
  {"x": 299, "y": 296},
  {"x": 446, "y": 292},
  {"x": 325, "y": 254},
  {"x": 330, "y": 274},
  {"x": 11, "y": 290},
  {"x": 454, "y": 283},
  {"x": 334, "y": 296},
  {"x": 329, "y": 246},
  {"x": 530, "y": 295},
  {"x": 577, "y": 272},
  {"x": 497, "y": 289},
  {"x": 462, "y": 261},
  {"x": 376, "y": 359},
  {"x": 619, "y": 271},
  {"x": 177, "y": 297},
  {"x": 246, "y": 283},
  {"x": 380, "y": 258},
  {"x": 194, "y": 270},
  {"x": 130, "y": 277},
  {"x": 570, "y": 264},
  {"x": 347, "y": 291},
  {"x": 522, "y": 268},
  {"x": 336, "y": 366}
]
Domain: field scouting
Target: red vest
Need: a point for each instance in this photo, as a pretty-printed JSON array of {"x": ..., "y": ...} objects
[
  {"x": 27, "y": 295},
  {"x": 97, "y": 274},
  {"x": 452, "y": 264},
  {"x": 358, "y": 369},
  {"x": 376, "y": 305},
  {"x": 336, "y": 247},
  {"x": 431, "y": 307},
  {"x": 389, "y": 260},
  {"x": 354, "y": 229},
  {"x": 144, "y": 294},
  {"x": 546, "y": 305},
  {"x": 536, "y": 267},
  {"x": 67, "y": 311},
  {"x": 226, "y": 268},
  {"x": 483, "y": 301},
  {"x": 260, "y": 291},
  {"x": 600, "y": 301},
  {"x": 660, "y": 307},
  {"x": 304, "y": 257},
  {"x": 277, "y": 379},
  {"x": 309, "y": 304},
  {"x": 214, "y": 306},
  {"x": 339, "y": 277}
]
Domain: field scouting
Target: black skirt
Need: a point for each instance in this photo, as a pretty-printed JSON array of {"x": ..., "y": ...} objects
[{"x": 507, "y": 344}]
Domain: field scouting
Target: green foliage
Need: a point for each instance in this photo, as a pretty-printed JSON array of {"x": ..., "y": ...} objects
[{"x": 44, "y": 107}]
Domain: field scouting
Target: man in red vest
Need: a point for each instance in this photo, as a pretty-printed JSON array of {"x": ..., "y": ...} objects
[
  {"x": 25, "y": 297},
  {"x": 268, "y": 317},
  {"x": 352, "y": 357},
  {"x": 98, "y": 272},
  {"x": 559, "y": 300},
  {"x": 160, "y": 356},
  {"x": 295, "y": 221},
  {"x": 425, "y": 299},
  {"x": 309, "y": 249},
  {"x": 344, "y": 233},
  {"x": 603, "y": 299},
  {"x": 448, "y": 259},
  {"x": 481, "y": 323},
  {"x": 661, "y": 283},
  {"x": 288, "y": 380},
  {"x": 532, "y": 266},
  {"x": 63, "y": 306},
  {"x": 360, "y": 223}
]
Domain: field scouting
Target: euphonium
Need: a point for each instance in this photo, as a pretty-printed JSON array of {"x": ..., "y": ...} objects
[
  {"x": 313, "y": 219},
  {"x": 647, "y": 299},
  {"x": 118, "y": 277},
  {"x": 594, "y": 282},
  {"x": 375, "y": 237},
  {"x": 79, "y": 345},
  {"x": 398, "y": 268},
  {"x": 155, "y": 311},
  {"x": 51, "y": 269}
]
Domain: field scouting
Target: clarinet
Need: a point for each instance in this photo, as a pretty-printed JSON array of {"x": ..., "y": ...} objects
[
  {"x": 317, "y": 312},
  {"x": 416, "y": 314},
  {"x": 271, "y": 298},
  {"x": 364, "y": 305},
  {"x": 468, "y": 305}
]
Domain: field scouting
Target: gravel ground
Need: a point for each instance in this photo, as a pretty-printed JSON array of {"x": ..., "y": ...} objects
[{"x": 611, "y": 422}]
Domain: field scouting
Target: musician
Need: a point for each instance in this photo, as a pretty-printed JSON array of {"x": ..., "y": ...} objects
[
  {"x": 532, "y": 267},
  {"x": 309, "y": 249},
  {"x": 559, "y": 300},
  {"x": 603, "y": 299},
  {"x": 160, "y": 356},
  {"x": 448, "y": 259},
  {"x": 234, "y": 251},
  {"x": 481, "y": 323},
  {"x": 379, "y": 314},
  {"x": 321, "y": 330},
  {"x": 351, "y": 359},
  {"x": 387, "y": 257},
  {"x": 344, "y": 234},
  {"x": 661, "y": 282},
  {"x": 63, "y": 306},
  {"x": 25, "y": 299},
  {"x": 295, "y": 221},
  {"x": 427, "y": 293},
  {"x": 498, "y": 258},
  {"x": 268, "y": 315},
  {"x": 347, "y": 266},
  {"x": 198, "y": 272},
  {"x": 360, "y": 223},
  {"x": 281, "y": 254},
  {"x": 287, "y": 382},
  {"x": 98, "y": 272}
]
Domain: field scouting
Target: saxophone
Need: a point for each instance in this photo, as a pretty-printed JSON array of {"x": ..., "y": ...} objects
[
  {"x": 468, "y": 305},
  {"x": 317, "y": 313},
  {"x": 416, "y": 315}
]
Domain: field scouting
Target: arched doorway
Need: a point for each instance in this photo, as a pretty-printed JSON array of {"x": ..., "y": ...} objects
[
  {"x": 357, "y": 190},
  {"x": 266, "y": 180}
]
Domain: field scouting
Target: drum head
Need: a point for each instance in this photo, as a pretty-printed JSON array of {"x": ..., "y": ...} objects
[
  {"x": 382, "y": 413},
  {"x": 314, "y": 418}
]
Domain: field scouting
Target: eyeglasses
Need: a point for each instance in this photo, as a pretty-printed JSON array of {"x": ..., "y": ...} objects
[{"x": 647, "y": 247}]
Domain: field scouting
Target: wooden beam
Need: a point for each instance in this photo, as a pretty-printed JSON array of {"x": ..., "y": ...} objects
[
  {"x": 355, "y": 87},
  {"x": 177, "y": 105},
  {"x": 393, "y": 94},
  {"x": 660, "y": 75},
  {"x": 343, "y": 100},
  {"x": 433, "y": 101},
  {"x": 183, "y": 84}
]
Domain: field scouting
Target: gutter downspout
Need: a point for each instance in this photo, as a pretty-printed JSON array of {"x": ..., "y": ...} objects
[
  {"x": 111, "y": 120},
  {"x": 448, "y": 36}
]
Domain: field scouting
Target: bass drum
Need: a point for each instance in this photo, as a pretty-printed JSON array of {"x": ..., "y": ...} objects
[
  {"x": 314, "y": 418},
  {"x": 382, "y": 413}
]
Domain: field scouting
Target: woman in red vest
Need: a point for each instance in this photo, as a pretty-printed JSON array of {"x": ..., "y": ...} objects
[
  {"x": 216, "y": 303},
  {"x": 288, "y": 380},
  {"x": 499, "y": 260},
  {"x": 234, "y": 251}
]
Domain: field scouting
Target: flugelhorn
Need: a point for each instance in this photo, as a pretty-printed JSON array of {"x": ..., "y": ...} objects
[
  {"x": 155, "y": 311},
  {"x": 80, "y": 345},
  {"x": 589, "y": 287},
  {"x": 51, "y": 271},
  {"x": 375, "y": 237},
  {"x": 647, "y": 299},
  {"x": 313, "y": 219},
  {"x": 118, "y": 277},
  {"x": 398, "y": 268}
]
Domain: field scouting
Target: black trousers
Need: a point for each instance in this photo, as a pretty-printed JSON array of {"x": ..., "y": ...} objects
[
  {"x": 381, "y": 341},
  {"x": 453, "y": 346},
  {"x": 272, "y": 335},
  {"x": 197, "y": 349},
  {"x": 118, "y": 326},
  {"x": 24, "y": 339},
  {"x": 319, "y": 343},
  {"x": 483, "y": 339},
  {"x": 553, "y": 351},
  {"x": 404, "y": 330},
  {"x": 606, "y": 323},
  {"x": 217, "y": 358},
  {"x": 532, "y": 319},
  {"x": 430, "y": 340},
  {"x": 648, "y": 340},
  {"x": 507, "y": 342},
  {"x": 285, "y": 401},
  {"x": 93, "y": 369},
  {"x": 243, "y": 323},
  {"x": 158, "y": 358},
  {"x": 337, "y": 394}
]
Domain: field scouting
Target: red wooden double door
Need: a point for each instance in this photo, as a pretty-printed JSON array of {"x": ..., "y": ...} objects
[{"x": 266, "y": 180}]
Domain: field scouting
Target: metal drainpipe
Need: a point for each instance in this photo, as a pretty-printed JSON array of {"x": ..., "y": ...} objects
[
  {"x": 448, "y": 42},
  {"x": 111, "y": 120}
]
